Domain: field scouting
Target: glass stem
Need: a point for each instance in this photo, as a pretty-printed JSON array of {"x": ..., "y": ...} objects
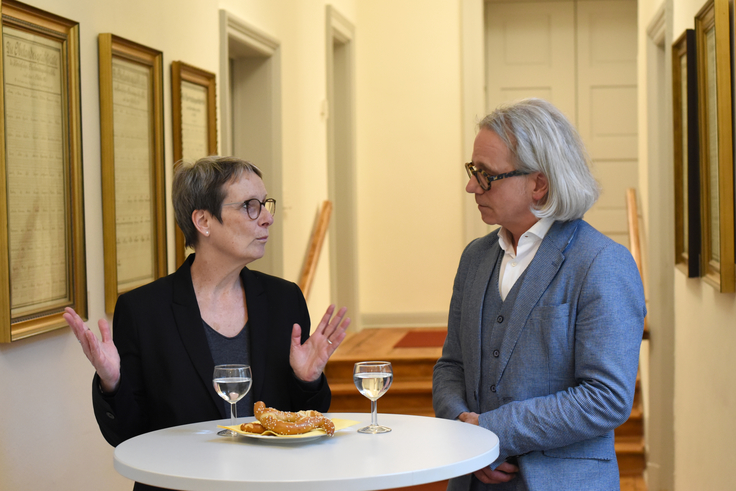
[
  {"x": 374, "y": 413},
  {"x": 233, "y": 413}
]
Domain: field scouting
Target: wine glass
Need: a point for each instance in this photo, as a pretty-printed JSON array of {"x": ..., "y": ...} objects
[
  {"x": 232, "y": 382},
  {"x": 373, "y": 378}
]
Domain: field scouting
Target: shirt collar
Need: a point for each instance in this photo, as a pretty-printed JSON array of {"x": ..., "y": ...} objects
[{"x": 538, "y": 230}]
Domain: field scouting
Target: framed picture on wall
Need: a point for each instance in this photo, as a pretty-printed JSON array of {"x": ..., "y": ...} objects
[
  {"x": 42, "y": 264},
  {"x": 133, "y": 187},
  {"x": 686, "y": 154},
  {"x": 193, "y": 97},
  {"x": 716, "y": 145}
]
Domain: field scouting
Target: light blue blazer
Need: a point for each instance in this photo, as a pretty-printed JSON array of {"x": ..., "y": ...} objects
[{"x": 568, "y": 359}]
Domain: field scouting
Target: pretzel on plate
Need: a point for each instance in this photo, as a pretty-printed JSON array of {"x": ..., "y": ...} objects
[
  {"x": 254, "y": 427},
  {"x": 291, "y": 423}
]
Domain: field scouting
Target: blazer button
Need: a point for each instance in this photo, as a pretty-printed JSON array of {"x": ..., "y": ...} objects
[
  {"x": 493, "y": 388},
  {"x": 496, "y": 353},
  {"x": 110, "y": 415},
  {"x": 499, "y": 319}
]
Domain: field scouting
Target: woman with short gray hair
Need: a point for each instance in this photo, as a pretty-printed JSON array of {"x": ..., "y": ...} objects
[{"x": 156, "y": 371}]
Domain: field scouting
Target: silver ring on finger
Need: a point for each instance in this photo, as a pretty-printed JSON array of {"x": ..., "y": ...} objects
[{"x": 328, "y": 340}]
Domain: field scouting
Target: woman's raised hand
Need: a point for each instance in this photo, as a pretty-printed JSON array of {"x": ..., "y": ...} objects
[
  {"x": 309, "y": 359},
  {"x": 102, "y": 354}
]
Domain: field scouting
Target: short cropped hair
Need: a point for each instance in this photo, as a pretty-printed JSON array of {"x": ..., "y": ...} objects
[
  {"x": 541, "y": 139},
  {"x": 201, "y": 186}
]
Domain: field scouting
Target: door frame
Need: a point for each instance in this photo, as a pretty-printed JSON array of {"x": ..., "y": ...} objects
[
  {"x": 341, "y": 162},
  {"x": 245, "y": 48}
]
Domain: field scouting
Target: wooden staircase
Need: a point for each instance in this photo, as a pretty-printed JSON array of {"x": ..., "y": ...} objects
[
  {"x": 411, "y": 392},
  {"x": 630, "y": 440}
]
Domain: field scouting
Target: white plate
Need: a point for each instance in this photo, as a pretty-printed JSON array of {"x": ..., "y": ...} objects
[
  {"x": 283, "y": 439},
  {"x": 340, "y": 424}
]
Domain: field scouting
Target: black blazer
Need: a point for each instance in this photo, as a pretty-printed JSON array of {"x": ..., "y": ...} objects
[{"x": 166, "y": 365}]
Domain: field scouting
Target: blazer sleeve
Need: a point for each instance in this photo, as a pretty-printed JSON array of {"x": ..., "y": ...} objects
[
  {"x": 119, "y": 414},
  {"x": 448, "y": 380},
  {"x": 608, "y": 319}
]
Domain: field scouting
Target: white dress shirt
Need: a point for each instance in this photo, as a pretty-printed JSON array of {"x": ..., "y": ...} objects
[{"x": 513, "y": 263}]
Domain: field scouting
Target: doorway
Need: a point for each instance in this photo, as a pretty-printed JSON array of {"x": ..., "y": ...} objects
[
  {"x": 341, "y": 171},
  {"x": 250, "y": 109}
]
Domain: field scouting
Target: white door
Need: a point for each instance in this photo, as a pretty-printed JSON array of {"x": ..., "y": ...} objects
[{"x": 581, "y": 56}]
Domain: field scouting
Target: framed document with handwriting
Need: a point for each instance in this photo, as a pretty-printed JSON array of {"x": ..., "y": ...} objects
[
  {"x": 713, "y": 39},
  {"x": 42, "y": 264},
  {"x": 193, "y": 95},
  {"x": 686, "y": 154},
  {"x": 133, "y": 187}
]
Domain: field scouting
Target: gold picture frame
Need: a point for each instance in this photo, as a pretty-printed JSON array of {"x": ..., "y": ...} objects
[
  {"x": 133, "y": 186},
  {"x": 43, "y": 264},
  {"x": 716, "y": 151},
  {"x": 686, "y": 154},
  {"x": 194, "y": 109}
]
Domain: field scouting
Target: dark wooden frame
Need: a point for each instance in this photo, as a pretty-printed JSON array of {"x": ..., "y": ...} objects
[
  {"x": 180, "y": 72},
  {"x": 48, "y": 315},
  {"x": 686, "y": 154}
]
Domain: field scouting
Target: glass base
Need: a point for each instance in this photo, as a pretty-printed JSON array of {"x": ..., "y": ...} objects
[
  {"x": 227, "y": 433},
  {"x": 374, "y": 429}
]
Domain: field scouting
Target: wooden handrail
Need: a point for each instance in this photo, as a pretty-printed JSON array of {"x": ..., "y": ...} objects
[
  {"x": 314, "y": 248},
  {"x": 632, "y": 213}
]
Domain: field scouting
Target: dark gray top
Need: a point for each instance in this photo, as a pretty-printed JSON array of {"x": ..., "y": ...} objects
[{"x": 229, "y": 351}]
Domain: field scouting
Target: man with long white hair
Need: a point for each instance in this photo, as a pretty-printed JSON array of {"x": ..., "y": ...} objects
[{"x": 546, "y": 316}]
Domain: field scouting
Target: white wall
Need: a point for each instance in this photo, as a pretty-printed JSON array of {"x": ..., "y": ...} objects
[
  {"x": 410, "y": 220},
  {"x": 409, "y": 193},
  {"x": 409, "y": 159},
  {"x": 49, "y": 436},
  {"x": 703, "y": 392}
]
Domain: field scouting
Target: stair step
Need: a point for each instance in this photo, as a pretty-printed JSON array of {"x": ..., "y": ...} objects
[
  {"x": 630, "y": 455},
  {"x": 404, "y": 397},
  {"x": 341, "y": 370}
]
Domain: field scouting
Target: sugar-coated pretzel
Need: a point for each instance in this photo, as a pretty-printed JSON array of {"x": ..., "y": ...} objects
[
  {"x": 260, "y": 409},
  {"x": 254, "y": 427},
  {"x": 304, "y": 425},
  {"x": 291, "y": 423}
]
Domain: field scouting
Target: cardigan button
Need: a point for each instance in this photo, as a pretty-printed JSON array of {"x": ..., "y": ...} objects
[
  {"x": 110, "y": 415},
  {"x": 493, "y": 388},
  {"x": 496, "y": 353},
  {"x": 499, "y": 319}
]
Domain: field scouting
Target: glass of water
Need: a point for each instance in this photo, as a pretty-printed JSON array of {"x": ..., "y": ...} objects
[
  {"x": 232, "y": 382},
  {"x": 373, "y": 378}
]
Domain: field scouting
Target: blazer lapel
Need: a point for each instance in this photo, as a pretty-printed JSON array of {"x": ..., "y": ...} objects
[
  {"x": 539, "y": 275},
  {"x": 258, "y": 327},
  {"x": 189, "y": 323},
  {"x": 472, "y": 333}
]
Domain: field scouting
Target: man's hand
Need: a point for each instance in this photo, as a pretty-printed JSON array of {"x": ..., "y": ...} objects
[
  {"x": 503, "y": 473},
  {"x": 471, "y": 418}
]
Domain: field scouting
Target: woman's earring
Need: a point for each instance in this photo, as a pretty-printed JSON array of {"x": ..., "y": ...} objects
[{"x": 207, "y": 233}]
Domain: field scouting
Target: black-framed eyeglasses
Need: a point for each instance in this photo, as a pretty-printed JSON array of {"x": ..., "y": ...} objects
[
  {"x": 484, "y": 179},
  {"x": 253, "y": 206}
]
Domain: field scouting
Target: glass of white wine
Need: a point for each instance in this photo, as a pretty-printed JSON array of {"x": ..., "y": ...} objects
[
  {"x": 232, "y": 382},
  {"x": 373, "y": 378}
]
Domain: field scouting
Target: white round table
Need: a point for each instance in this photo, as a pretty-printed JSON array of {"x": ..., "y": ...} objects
[{"x": 418, "y": 450}]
